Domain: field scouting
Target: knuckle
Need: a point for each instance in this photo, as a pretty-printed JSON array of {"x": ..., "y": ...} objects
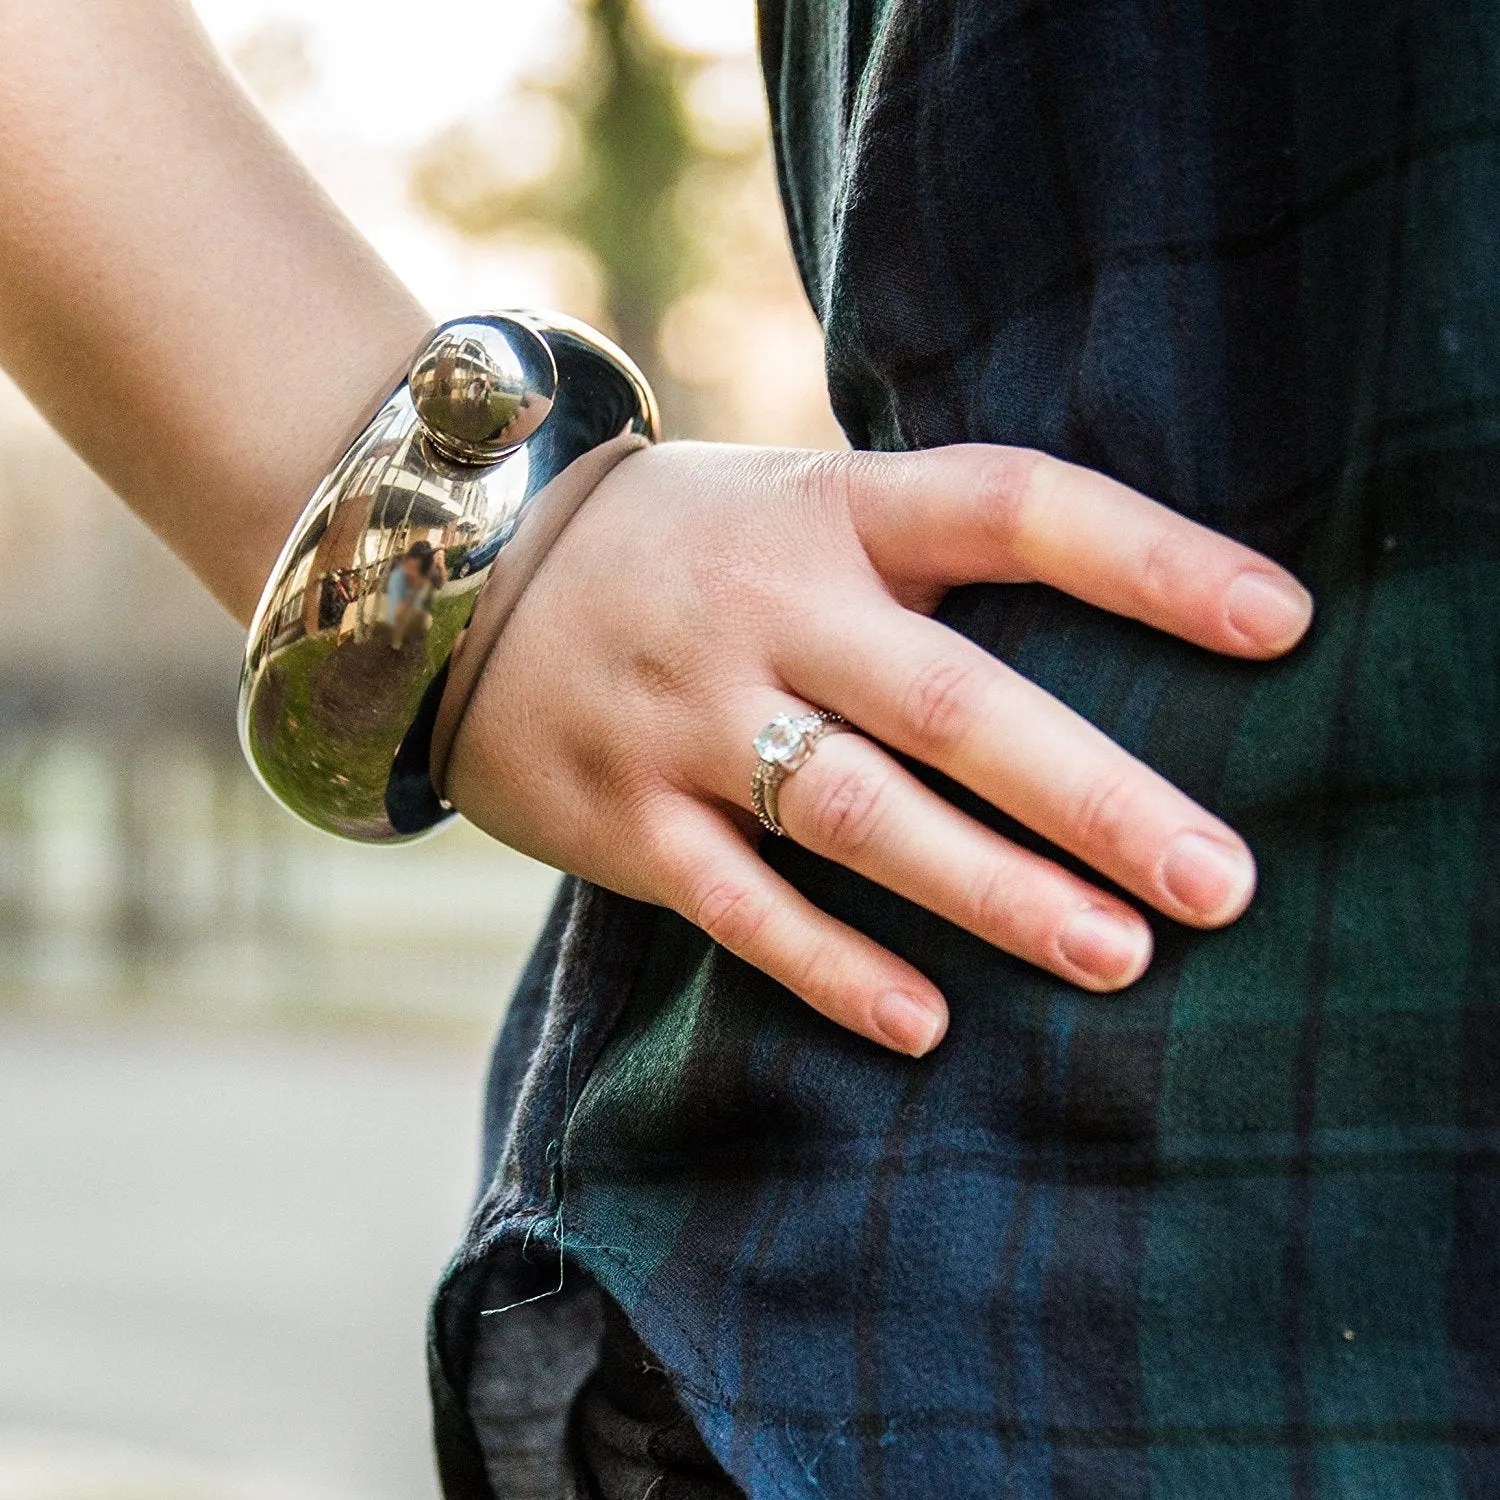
[
  {"x": 733, "y": 914},
  {"x": 1013, "y": 484},
  {"x": 830, "y": 482},
  {"x": 1102, "y": 812},
  {"x": 819, "y": 976},
  {"x": 1165, "y": 568},
  {"x": 940, "y": 702},
  {"x": 848, "y": 492},
  {"x": 847, "y": 807},
  {"x": 993, "y": 902}
]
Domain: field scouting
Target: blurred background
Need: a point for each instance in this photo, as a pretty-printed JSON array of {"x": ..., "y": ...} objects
[{"x": 238, "y": 1112}]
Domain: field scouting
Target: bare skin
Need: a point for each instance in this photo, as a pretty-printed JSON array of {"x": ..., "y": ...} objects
[
  {"x": 189, "y": 309},
  {"x": 177, "y": 294},
  {"x": 727, "y": 585}
]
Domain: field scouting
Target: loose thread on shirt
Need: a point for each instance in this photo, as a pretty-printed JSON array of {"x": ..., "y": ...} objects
[
  {"x": 578, "y": 1242},
  {"x": 809, "y": 1466},
  {"x": 556, "y": 1190}
]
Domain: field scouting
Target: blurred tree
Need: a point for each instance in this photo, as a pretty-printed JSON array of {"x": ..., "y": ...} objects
[
  {"x": 647, "y": 167},
  {"x": 617, "y": 191}
]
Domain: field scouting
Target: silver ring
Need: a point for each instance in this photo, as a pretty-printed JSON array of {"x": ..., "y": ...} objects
[{"x": 783, "y": 746}]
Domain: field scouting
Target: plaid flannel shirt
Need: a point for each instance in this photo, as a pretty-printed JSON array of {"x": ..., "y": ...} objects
[{"x": 1235, "y": 1232}]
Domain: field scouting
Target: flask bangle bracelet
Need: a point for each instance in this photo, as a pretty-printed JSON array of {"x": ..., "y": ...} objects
[{"x": 411, "y": 554}]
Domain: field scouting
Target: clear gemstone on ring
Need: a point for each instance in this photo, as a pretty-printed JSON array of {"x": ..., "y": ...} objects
[{"x": 782, "y": 741}]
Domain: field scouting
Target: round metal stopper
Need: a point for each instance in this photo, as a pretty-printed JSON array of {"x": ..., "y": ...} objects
[{"x": 482, "y": 386}]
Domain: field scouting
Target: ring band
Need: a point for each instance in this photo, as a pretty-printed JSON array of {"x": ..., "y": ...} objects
[{"x": 784, "y": 746}]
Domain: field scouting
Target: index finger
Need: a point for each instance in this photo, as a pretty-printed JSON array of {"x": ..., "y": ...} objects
[{"x": 974, "y": 513}]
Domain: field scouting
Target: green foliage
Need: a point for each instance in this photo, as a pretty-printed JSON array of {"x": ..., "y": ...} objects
[
  {"x": 618, "y": 194},
  {"x": 298, "y": 765},
  {"x": 638, "y": 144}
]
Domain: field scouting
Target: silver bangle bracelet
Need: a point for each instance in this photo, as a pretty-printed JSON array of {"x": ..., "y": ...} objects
[{"x": 399, "y": 576}]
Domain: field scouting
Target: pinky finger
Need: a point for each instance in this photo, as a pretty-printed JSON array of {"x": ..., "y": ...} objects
[{"x": 723, "y": 886}]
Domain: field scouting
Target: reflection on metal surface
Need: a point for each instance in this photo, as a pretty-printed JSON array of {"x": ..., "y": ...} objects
[
  {"x": 349, "y": 649},
  {"x": 482, "y": 386}
]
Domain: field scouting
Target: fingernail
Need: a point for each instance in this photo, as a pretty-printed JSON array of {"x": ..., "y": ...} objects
[
  {"x": 1272, "y": 609},
  {"x": 907, "y": 1024},
  {"x": 1111, "y": 949},
  {"x": 1211, "y": 879}
]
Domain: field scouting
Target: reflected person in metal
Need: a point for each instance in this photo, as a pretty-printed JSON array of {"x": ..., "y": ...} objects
[{"x": 452, "y": 492}]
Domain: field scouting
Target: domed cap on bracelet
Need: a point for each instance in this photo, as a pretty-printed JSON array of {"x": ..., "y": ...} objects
[{"x": 481, "y": 387}]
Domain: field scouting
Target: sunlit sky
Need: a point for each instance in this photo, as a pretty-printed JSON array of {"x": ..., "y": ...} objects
[
  {"x": 393, "y": 72},
  {"x": 360, "y": 88},
  {"x": 390, "y": 75}
]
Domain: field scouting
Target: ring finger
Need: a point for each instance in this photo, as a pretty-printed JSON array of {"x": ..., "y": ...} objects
[{"x": 853, "y": 803}]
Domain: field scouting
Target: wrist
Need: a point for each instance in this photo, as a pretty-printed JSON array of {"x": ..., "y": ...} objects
[{"x": 419, "y": 541}]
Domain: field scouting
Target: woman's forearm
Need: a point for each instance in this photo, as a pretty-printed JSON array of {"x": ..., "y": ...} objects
[{"x": 177, "y": 295}]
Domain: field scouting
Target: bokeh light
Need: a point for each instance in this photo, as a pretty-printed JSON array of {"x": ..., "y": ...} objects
[{"x": 241, "y": 1138}]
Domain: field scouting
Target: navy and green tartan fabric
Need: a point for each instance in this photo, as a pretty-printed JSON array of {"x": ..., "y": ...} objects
[{"x": 1237, "y": 1232}]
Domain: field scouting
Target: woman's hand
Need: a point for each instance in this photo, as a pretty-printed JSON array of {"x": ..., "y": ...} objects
[{"x": 704, "y": 589}]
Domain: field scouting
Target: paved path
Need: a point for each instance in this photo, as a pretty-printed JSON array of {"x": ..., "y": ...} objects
[{"x": 214, "y": 1253}]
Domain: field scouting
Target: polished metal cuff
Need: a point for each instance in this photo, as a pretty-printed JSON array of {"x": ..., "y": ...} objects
[{"x": 401, "y": 572}]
